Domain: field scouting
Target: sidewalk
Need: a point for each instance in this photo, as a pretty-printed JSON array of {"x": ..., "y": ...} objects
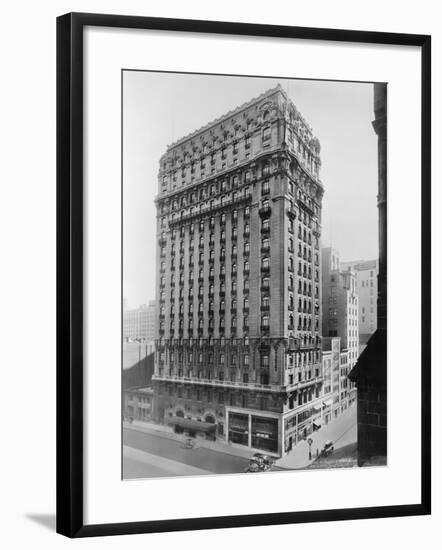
[
  {"x": 342, "y": 431},
  {"x": 160, "y": 430}
]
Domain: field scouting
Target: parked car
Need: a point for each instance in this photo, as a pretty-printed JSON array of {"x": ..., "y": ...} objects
[
  {"x": 260, "y": 463},
  {"x": 328, "y": 448}
]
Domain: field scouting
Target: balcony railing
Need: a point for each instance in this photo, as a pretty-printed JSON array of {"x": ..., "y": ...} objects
[
  {"x": 218, "y": 382},
  {"x": 245, "y": 197}
]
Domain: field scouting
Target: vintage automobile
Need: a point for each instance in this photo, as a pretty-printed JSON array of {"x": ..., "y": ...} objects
[
  {"x": 328, "y": 448},
  {"x": 260, "y": 463}
]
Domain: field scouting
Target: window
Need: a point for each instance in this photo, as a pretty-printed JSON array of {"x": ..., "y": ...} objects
[
  {"x": 266, "y": 134},
  {"x": 265, "y": 188}
]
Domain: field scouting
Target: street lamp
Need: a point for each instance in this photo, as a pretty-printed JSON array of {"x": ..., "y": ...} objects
[{"x": 309, "y": 441}]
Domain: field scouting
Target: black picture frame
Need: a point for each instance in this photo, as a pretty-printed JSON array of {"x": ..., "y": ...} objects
[{"x": 70, "y": 272}]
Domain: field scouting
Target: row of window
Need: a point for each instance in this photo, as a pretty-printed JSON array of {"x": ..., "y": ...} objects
[
  {"x": 205, "y": 163},
  {"x": 202, "y": 223}
]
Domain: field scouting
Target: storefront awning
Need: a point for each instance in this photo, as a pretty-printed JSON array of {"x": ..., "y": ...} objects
[
  {"x": 317, "y": 407},
  {"x": 327, "y": 402},
  {"x": 192, "y": 425}
]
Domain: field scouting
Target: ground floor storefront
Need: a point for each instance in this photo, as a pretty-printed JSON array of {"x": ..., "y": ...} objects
[{"x": 254, "y": 430}]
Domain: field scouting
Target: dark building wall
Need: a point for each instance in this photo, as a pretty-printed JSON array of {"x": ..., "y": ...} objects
[
  {"x": 140, "y": 374},
  {"x": 370, "y": 371},
  {"x": 372, "y": 422}
]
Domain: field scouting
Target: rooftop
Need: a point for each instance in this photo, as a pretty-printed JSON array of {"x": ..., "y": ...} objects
[{"x": 234, "y": 112}]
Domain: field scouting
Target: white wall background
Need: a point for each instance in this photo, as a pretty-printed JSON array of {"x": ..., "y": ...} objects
[{"x": 27, "y": 219}]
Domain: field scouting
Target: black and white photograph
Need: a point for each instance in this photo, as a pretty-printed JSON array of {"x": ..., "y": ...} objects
[{"x": 254, "y": 274}]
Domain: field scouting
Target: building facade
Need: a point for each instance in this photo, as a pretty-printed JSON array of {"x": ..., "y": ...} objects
[
  {"x": 367, "y": 281},
  {"x": 238, "y": 345},
  {"x": 340, "y": 309},
  {"x": 335, "y": 368},
  {"x": 139, "y": 324},
  {"x": 137, "y": 403}
]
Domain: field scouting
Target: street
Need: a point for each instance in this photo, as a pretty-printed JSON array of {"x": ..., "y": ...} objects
[
  {"x": 342, "y": 431},
  {"x": 147, "y": 455}
]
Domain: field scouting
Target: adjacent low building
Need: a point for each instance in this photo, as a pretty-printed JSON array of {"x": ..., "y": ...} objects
[{"x": 138, "y": 403}]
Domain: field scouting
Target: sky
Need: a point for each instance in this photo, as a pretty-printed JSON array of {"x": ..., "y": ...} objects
[{"x": 160, "y": 108}]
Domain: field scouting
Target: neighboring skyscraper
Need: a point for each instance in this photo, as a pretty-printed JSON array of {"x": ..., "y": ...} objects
[
  {"x": 140, "y": 323},
  {"x": 238, "y": 343},
  {"x": 151, "y": 321},
  {"x": 340, "y": 305},
  {"x": 367, "y": 281}
]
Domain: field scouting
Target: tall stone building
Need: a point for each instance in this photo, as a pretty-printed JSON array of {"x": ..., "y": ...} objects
[
  {"x": 340, "y": 311},
  {"x": 238, "y": 346}
]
